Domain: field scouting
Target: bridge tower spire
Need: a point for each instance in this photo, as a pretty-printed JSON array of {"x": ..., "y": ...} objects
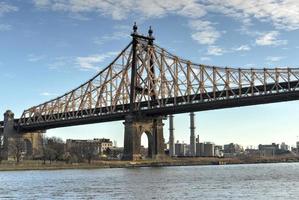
[{"x": 134, "y": 68}]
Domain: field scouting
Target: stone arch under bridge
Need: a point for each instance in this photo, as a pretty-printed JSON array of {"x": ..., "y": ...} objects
[
  {"x": 149, "y": 137},
  {"x": 134, "y": 128},
  {"x": 33, "y": 143}
]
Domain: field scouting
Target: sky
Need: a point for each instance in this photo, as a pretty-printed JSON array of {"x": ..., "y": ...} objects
[{"x": 49, "y": 47}]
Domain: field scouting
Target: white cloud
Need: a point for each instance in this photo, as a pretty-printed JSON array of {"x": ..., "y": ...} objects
[
  {"x": 121, "y": 32},
  {"x": 42, "y": 3},
  {"x": 204, "y": 32},
  {"x": 193, "y": 10},
  {"x": 282, "y": 14},
  {"x": 242, "y": 48},
  {"x": 205, "y": 58},
  {"x": 7, "y": 8},
  {"x": 91, "y": 62},
  {"x": 270, "y": 38},
  {"x": 84, "y": 63},
  {"x": 35, "y": 58},
  {"x": 62, "y": 62},
  {"x": 4, "y": 9},
  {"x": 48, "y": 94},
  {"x": 5, "y": 27},
  {"x": 120, "y": 9},
  {"x": 250, "y": 65},
  {"x": 274, "y": 58},
  {"x": 215, "y": 51}
]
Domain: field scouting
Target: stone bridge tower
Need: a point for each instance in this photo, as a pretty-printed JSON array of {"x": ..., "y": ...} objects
[
  {"x": 135, "y": 124},
  {"x": 30, "y": 143},
  {"x": 134, "y": 128}
]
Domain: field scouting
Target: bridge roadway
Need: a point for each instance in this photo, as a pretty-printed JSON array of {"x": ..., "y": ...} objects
[{"x": 287, "y": 91}]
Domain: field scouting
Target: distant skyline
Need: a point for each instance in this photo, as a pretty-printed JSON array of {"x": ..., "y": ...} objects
[{"x": 49, "y": 47}]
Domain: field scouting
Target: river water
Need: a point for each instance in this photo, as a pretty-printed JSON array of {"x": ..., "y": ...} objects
[{"x": 255, "y": 181}]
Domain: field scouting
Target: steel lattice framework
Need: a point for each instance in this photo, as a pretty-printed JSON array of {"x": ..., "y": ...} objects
[{"x": 145, "y": 79}]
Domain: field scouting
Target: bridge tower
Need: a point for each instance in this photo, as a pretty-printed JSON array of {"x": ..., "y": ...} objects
[
  {"x": 8, "y": 132},
  {"x": 136, "y": 124},
  {"x": 29, "y": 143}
]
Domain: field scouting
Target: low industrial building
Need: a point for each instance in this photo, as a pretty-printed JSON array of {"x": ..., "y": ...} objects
[
  {"x": 180, "y": 149},
  {"x": 100, "y": 145},
  {"x": 268, "y": 149},
  {"x": 232, "y": 150}
]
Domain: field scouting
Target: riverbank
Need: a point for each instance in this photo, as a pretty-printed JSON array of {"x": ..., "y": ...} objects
[{"x": 39, "y": 165}]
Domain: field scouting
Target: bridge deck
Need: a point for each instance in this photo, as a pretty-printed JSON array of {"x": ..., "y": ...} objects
[{"x": 287, "y": 92}]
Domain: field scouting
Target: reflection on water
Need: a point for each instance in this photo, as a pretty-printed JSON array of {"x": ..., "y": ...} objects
[{"x": 261, "y": 181}]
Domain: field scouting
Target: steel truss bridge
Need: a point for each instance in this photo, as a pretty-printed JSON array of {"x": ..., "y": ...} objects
[{"x": 147, "y": 80}]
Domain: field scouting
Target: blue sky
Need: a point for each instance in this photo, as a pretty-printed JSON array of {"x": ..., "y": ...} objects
[{"x": 49, "y": 47}]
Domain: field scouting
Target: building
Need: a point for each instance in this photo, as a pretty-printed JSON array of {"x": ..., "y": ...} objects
[
  {"x": 199, "y": 149},
  {"x": 209, "y": 149},
  {"x": 180, "y": 149},
  {"x": 232, "y": 150},
  {"x": 99, "y": 145},
  {"x": 269, "y": 149},
  {"x": 251, "y": 152},
  {"x": 284, "y": 146},
  {"x": 103, "y": 144},
  {"x": 218, "y": 151}
]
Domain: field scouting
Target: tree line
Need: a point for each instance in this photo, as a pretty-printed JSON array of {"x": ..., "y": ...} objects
[{"x": 54, "y": 149}]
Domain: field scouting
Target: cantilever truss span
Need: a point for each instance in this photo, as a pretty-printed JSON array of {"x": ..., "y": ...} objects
[{"x": 165, "y": 84}]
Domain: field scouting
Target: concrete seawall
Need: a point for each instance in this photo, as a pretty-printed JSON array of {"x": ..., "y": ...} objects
[{"x": 38, "y": 165}]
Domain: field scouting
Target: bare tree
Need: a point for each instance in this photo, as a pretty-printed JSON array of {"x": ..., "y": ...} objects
[
  {"x": 108, "y": 152},
  {"x": 16, "y": 147},
  {"x": 83, "y": 151},
  {"x": 53, "y": 149},
  {"x": 89, "y": 151},
  {"x": 57, "y": 147},
  {"x": 76, "y": 153}
]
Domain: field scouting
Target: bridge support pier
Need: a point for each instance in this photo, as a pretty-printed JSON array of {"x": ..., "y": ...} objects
[
  {"x": 26, "y": 144},
  {"x": 8, "y": 133},
  {"x": 134, "y": 128}
]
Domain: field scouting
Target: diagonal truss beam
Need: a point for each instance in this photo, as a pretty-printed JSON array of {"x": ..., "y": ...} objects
[{"x": 145, "y": 77}]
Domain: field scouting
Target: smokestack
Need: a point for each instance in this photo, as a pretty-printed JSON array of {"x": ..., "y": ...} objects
[
  {"x": 192, "y": 135},
  {"x": 171, "y": 137}
]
